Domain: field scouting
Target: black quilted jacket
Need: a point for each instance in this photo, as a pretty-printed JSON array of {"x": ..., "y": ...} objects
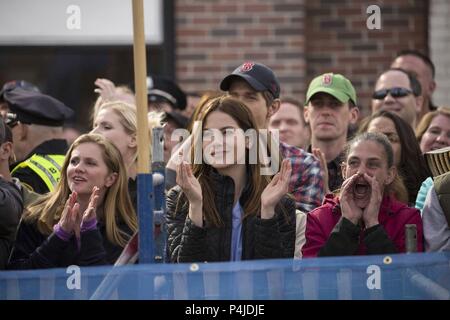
[{"x": 262, "y": 239}]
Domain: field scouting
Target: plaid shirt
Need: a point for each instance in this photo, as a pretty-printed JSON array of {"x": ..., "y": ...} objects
[
  {"x": 307, "y": 180},
  {"x": 335, "y": 179}
]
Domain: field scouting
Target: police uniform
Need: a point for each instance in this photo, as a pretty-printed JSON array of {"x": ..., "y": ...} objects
[
  {"x": 164, "y": 89},
  {"x": 40, "y": 172},
  {"x": 180, "y": 120},
  {"x": 11, "y": 85}
]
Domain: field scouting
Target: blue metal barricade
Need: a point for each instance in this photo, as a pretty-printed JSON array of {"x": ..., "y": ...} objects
[{"x": 403, "y": 276}]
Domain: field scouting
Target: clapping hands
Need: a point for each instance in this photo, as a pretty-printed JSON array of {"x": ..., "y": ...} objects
[
  {"x": 275, "y": 190},
  {"x": 193, "y": 191},
  {"x": 71, "y": 217}
]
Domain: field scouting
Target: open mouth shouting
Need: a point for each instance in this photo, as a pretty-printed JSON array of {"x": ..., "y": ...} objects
[
  {"x": 362, "y": 192},
  {"x": 361, "y": 189}
]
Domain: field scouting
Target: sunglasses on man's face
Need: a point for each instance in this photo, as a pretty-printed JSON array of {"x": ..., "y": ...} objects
[{"x": 394, "y": 92}]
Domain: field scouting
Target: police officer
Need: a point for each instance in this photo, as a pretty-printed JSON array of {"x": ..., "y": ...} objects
[
  {"x": 165, "y": 95},
  {"x": 10, "y": 85},
  {"x": 36, "y": 121}
]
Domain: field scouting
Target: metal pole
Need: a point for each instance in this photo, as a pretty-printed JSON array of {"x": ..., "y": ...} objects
[
  {"x": 411, "y": 238},
  {"x": 434, "y": 290},
  {"x": 158, "y": 168}
]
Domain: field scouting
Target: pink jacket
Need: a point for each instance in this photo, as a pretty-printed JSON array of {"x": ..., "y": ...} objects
[{"x": 393, "y": 217}]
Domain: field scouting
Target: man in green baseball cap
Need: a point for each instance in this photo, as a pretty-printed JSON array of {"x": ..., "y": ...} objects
[
  {"x": 334, "y": 84},
  {"x": 330, "y": 109}
]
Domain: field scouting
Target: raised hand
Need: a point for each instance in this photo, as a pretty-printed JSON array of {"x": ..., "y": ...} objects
[
  {"x": 275, "y": 190},
  {"x": 106, "y": 89},
  {"x": 349, "y": 209},
  {"x": 71, "y": 217},
  {"x": 193, "y": 191},
  {"x": 189, "y": 183},
  {"x": 90, "y": 212},
  {"x": 370, "y": 213},
  {"x": 323, "y": 165}
]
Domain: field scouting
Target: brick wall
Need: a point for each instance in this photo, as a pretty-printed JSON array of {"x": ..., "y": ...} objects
[
  {"x": 298, "y": 39},
  {"x": 338, "y": 40},
  {"x": 214, "y": 37},
  {"x": 440, "y": 48}
]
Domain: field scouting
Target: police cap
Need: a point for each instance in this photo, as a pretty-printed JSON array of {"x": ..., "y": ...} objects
[
  {"x": 178, "y": 118},
  {"x": 37, "y": 108},
  {"x": 10, "y": 85},
  {"x": 164, "y": 89}
]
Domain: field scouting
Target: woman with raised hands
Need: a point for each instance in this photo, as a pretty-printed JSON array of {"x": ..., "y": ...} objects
[
  {"x": 89, "y": 217},
  {"x": 225, "y": 209},
  {"x": 365, "y": 218}
]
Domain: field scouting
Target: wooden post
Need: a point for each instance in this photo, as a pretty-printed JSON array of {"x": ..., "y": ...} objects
[
  {"x": 144, "y": 177},
  {"x": 140, "y": 78}
]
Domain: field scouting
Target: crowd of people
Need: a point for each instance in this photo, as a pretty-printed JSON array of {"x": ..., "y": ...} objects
[{"x": 323, "y": 182}]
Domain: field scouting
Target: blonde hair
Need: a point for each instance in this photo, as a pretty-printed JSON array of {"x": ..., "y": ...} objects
[
  {"x": 424, "y": 124},
  {"x": 122, "y": 93},
  {"x": 127, "y": 115},
  {"x": 128, "y": 119},
  {"x": 117, "y": 204}
]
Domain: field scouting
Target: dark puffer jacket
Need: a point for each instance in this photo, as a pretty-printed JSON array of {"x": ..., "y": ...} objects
[
  {"x": 34, "y": 250},
  {"x": 11, "y": 207},
  {"x": 261, "y": 239}
]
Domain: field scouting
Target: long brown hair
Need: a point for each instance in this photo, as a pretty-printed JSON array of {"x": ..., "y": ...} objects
[
  {"x": 412, "y": 168},
  {"x": 196, "y": 115},
  {"x": 117, "y": 204},
  {"x": 244, "y": 118}
]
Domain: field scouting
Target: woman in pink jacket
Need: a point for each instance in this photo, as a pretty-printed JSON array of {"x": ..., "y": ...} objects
[{"x": 365, "y": 218}]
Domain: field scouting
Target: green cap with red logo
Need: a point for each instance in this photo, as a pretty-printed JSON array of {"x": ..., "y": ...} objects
[{"x": 334, "y": 84}]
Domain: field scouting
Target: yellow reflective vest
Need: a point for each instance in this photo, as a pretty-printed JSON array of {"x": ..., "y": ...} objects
[{"x": 47, "y": 167}]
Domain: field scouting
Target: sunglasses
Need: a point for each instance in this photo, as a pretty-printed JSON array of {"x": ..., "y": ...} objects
[{"x": 395, "y": 93}]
